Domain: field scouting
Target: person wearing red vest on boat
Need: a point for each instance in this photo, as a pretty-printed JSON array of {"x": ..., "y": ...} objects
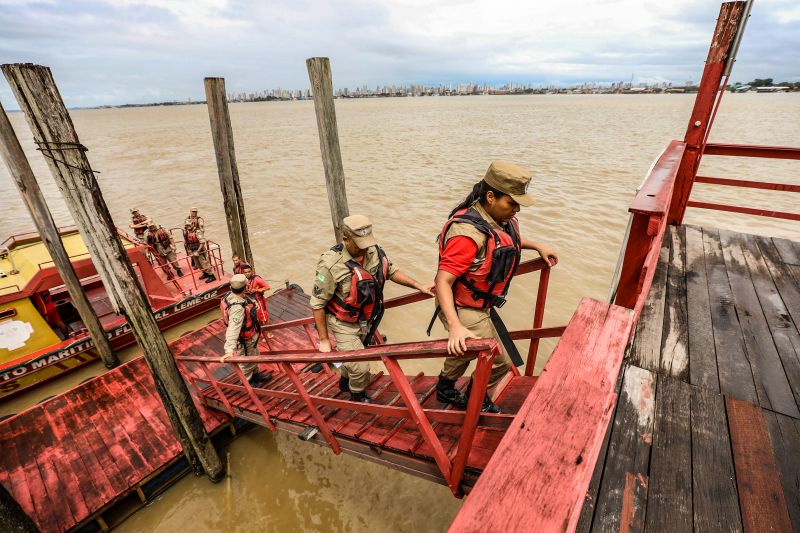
[
  {"x": 256, "y": 287},
  {"x": 160, "y": 241},
  {"x": 238, "y": 265},
  {"x": 196, "y": 249},
  {"x": 479, "y": 251},
  {"x": 138, "y": 224},
  {"x": 240, "y": 314},
  {"x": 347, "y": 299}
]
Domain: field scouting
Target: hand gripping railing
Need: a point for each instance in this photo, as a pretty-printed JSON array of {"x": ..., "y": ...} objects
[
  {"x": 484, "y": 350},
  {"x": 534, "y": 334}
]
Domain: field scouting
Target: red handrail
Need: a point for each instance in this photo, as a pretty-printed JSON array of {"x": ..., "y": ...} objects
[{"x": 452, "y": 470}]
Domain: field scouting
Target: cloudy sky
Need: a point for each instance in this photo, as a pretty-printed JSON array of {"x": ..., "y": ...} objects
[{"x": 137, "y": 51}]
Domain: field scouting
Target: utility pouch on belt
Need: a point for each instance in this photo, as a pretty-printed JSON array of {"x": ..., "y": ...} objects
[{"x": 504, "y": 259}]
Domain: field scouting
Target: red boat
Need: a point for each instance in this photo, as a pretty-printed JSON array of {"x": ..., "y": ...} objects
[{"x": 41, "y": 334}]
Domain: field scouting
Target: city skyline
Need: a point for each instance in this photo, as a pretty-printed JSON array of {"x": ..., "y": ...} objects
[{"x": 111, "y": 52}]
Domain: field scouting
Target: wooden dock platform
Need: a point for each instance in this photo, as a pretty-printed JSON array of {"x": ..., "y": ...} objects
[
  {"x": 67, "y": 460},
  {"x": 706, "y": 431}
]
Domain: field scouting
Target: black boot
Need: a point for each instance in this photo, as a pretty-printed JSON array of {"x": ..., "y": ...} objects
[
  {"x": 446, "y": 392},
  {"x": 360, "y": 397},
  {"x": 344, "y": 384},
  {"x": 488, "y": 405},
  {"x": 204, "y": 276},
  {"x": 180, "y": 272},
  {"x": 211, "y": 278}
]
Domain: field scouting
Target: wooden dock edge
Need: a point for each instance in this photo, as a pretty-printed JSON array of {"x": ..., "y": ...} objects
[{"x": 558, "y": 431}]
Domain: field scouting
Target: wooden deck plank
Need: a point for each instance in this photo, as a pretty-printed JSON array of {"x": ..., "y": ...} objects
[
  {"x": 772, "y": 385},
  {"x": 703, "y": 366},
  {"x": 622, "y": 498},
  {"x": 760, "y": 493},
  {"x": 542, "y": 469},
  {"x": 784, "y": 433},
  {"x": 784, "y": 331},
  {"x": 646, "y": 350},
  {"x": 31, "y": 478},
  {"x": 787, "y": 283},
  {"x": 674, "y": 346},
  {"x": 73, "y": 463},
  {"x": 669, "y": 497},
  {"x": 788, "y": 250},
  {"x": 735, "y": 373},
  {"x": 715, "y": 500}
]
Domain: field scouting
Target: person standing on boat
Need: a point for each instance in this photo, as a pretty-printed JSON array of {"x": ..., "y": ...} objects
[
  {"x": 138, "y": 224},
  {"x": 239, "y": 265},
  {"x": 196, "y": 222},
  {"x": 256, "y": 287},
  {"x": 159, "y": 240},
  {"x": 479, "y": 251},
  {"x": 348, "y": 297},
  {"x": 240, "y": 314},
  {"x": 196, "y": 249}
]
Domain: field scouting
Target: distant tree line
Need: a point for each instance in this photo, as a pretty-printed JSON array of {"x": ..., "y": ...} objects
[{"x": 766, "y": 82}]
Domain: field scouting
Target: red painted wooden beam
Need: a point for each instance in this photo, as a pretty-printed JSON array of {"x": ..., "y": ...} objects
[
  {"x": 745, "y": 210},
  {"x": 719, "y": 53},
  {"x": 745, "y": 183},
  {"x": 656, "y": 192},
  {"x": 537, "y": 478},
  {"x": 749, "y": 150}
]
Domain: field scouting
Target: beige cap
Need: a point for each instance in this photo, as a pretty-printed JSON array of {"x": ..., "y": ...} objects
[
  {"x": 193, "y": 210},
  {"x": 359, "y": 228},
  {"x": 238, "y": 281},
  {"x": 134, "y": 209},
  {"x": 510, "y": 179}
]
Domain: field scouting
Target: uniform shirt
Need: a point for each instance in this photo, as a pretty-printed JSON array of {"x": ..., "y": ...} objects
[
  {"x": 235, "y": 321},
  {"x": 333, "y": 275},
  {"x": 465, "y": 246},
  {"x": 198, "y": 224},
  {"x": 256, "y": 283},
  {"x": 164, "y": 248}
]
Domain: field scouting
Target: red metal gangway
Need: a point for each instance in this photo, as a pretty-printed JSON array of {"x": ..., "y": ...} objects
[{"x": 405, "y": 426}]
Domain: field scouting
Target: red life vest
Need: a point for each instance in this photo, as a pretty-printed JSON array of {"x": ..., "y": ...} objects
[
  {"x": 161, "y": 236},
  {"x": 191, "y": 239},
  {"x": 365, "y": 300},
  {"x": 250, "y": 326},
  {"x": 487, "y": 285}
]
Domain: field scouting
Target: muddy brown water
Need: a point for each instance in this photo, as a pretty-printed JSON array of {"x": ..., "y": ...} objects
[{"x": 407, "y": 162}]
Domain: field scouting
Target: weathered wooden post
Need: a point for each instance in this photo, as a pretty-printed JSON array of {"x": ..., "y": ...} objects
[
  {"x": 12, "y": 517},
  {"x": 21, "y": 171},
  {"x": 222, "y": 133},
  {"x": 319, "y": 73},
  {"x": 54, "y": 133}
]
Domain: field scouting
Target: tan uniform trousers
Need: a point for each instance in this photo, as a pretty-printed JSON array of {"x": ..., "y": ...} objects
[
  {"x": 200, "y": 261},
  {"x": 477, "y": 321},
  {"x": 348, "y": 337},
  {"x": 245, "y": 348}
]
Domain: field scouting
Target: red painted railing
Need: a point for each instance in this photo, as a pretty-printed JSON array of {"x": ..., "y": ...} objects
[
  {"x": 535, "y": 333},
  {"x": 284, "y": 362},
  {"x": 649, "y": 212}
]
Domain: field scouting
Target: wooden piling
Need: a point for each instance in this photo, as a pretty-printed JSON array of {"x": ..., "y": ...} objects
[
  {"x": 49, "y": 120},
  {"x": 21, "y": 171},
  {"x": 319, "y": 73},
  {"x": 222, "y": 133}
]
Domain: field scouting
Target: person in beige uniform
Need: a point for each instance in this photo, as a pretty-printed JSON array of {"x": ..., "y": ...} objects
[
  {"x": 160, "y": 240},
  {"x": 348, "y": 297},
  {"x": 196, "y": 249},
  {"x": 240, "y": 313},
  {"x": 196, "y": 222},
  {"x": 479, "y": 250}
]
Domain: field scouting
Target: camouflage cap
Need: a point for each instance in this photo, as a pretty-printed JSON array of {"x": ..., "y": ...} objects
[{"x": 510, "y": 179}]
